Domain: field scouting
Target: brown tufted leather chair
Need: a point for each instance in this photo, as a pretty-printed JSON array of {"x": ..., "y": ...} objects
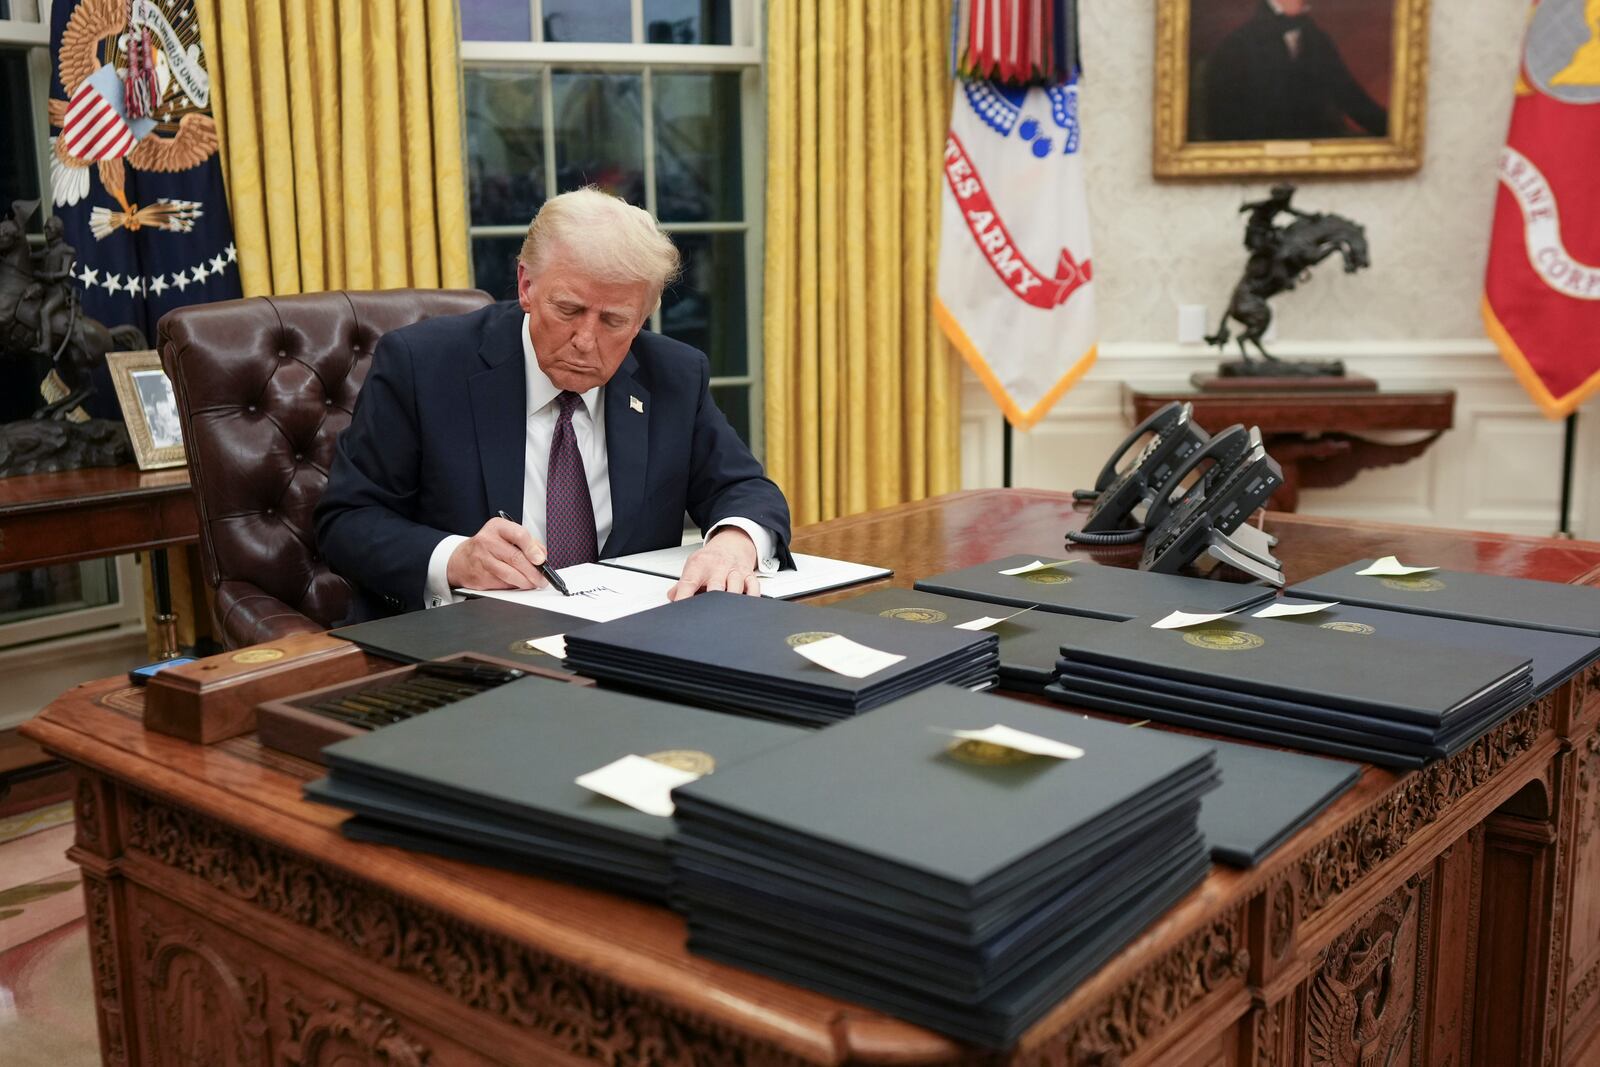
[{"x": 265, "y": 385}]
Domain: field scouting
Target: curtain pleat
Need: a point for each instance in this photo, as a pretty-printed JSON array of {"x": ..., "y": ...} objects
[
  {"x": 861, "y": 387},
  {"x": 341, "y": 142}
]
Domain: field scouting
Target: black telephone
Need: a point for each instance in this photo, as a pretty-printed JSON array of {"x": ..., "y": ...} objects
[
  {"x": 1210, "y": 515},
  {"x": 1174, "y": 438}
]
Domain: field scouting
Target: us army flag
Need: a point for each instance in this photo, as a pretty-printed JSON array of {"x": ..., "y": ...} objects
[
  {"x": 1016, "y": 290},
  {"x": 1541, "y": 300}
]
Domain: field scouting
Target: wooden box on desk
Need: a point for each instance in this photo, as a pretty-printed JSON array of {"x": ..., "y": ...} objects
[
  {"x": 215, "y": 698},
  {"x": 288, "y": 725}
]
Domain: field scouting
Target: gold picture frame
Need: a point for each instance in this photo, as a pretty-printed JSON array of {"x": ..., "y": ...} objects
[
  {"x": 1178, "y": 154},
  {"x": 149, "y": 407}
]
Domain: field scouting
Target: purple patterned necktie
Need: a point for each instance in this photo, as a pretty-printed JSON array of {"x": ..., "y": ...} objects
[{"x": 569, "y": 513}]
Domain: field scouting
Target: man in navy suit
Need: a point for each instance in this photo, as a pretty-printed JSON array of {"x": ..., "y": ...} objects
[{"x": 553, "y": 409}]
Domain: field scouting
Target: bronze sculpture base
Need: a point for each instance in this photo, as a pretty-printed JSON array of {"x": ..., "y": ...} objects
[
  {"x": 43, "y": 446},
  {"x": 1281, "y": 368}
]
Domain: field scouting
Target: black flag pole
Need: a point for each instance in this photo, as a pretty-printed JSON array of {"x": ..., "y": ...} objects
[
  {"x": 1568, "y": 459},
  {"x": 1005, "y": 454}
]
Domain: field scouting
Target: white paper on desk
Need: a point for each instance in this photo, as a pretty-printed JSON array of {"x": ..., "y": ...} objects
[
  {"x": 1389, "y": 567},
  {"x": 1036, "y": 565},
  {"x": 599, "y": 594},
  {"x": 1179, "y": 619},
  {"x": 554, "y": 645},
  {"x": 988, "y": 621},
  {"x": 811, "y": 574},
  {"x": 1279, "y": 609},
  {"x": 850, "y": 658},
  {"x": 642, "y": 784},
  {"x": 1018, "y": 740}
]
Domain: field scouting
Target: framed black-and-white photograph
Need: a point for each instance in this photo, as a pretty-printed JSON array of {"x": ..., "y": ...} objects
[
  {"x": 149, "y": 407},
  {"x": 1250, "y": 88}
]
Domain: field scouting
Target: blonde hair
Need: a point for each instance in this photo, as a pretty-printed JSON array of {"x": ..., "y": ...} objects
[{"x": 602, "y": 235}]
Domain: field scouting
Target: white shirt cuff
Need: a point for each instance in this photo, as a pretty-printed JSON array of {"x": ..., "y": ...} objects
[
  {"x": 436, "y": 592},
  {"x": 766, "y": 544}
]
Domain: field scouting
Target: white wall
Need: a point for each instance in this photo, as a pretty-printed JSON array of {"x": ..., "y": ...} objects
[{"x": 1411, "y": 320}]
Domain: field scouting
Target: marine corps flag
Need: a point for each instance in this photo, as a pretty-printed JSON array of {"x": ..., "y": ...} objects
[
  {"x": 1542, "y": 295},
  {"x": 134, "y": 173},
  {"x": 1016, "y": 290}
]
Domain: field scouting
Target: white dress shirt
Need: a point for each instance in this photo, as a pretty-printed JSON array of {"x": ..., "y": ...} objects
[
  {"x": 589, "y": 427},
  {"x": 1291, "y": 40}
]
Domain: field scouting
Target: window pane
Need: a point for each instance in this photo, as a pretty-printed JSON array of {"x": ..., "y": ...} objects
[
  {"x": 505, "y": 146},
  {"x": 32, "y": 594},
  {"x": 19, "y": 162},
  {"x": 600, "y": 133},
  {"x": 687, "y": 22},
  {"x": 588, "y": 20},
  {"x": 496, "y": 20},
  {"x": 734, "y": 400},
  {"x": 698, "y": 156},
  {"x": 706, "y": 306},
  {"x": 494, "y": 265}
]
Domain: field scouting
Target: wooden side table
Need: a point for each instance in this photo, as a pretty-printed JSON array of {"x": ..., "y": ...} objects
[
  {"x": 104, "y": 511},
  {"x": 1317, "y": 437}
]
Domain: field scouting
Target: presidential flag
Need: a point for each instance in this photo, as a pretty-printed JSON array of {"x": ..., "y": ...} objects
[
  {"x": 1016, "y": 280},
  {"x": 1541, "y": 301},
  {"x": 135, "y": 177}
]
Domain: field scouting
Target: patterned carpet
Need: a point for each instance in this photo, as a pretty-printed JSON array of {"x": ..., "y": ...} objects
[{"x": 46, "y": 1000}]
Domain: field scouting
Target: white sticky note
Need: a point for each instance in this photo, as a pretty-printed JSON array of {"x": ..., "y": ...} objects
[
  {"x": 1179, "y": 619},
  {"x": 1020, "y": 741},
  {"x": 987, "y": 621},
  {"x": 1036, "y": 565},
  {"x": 843, "y": 656},
  {"x": 1281, "y": 608},
  {"x": 1389, "y": 567},
  {"x": 642, "y": 784},
  {"x": 554, "y": 645}
]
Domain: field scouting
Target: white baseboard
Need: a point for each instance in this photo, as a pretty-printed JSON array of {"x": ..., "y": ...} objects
[{"x": 36, "y": 674}]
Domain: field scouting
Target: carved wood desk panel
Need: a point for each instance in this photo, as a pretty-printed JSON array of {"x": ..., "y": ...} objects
[{"x": 1447, "y": 916}]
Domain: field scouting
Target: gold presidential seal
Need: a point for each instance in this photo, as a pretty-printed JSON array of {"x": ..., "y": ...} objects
[
  {"x": 1224, "y": 640},
  {"x": 1047, "y": 578},
  {"x": 808, "y": 637},
  {"x": 691, "y": 760},
  {"x": 524, "y": 648},
  {"x": 986, "y": 754},
  {"x": 258, "y": 655},
  {"x": 914, "y": 614},
  {"x": 1414, "y": 583},
  {"x": 1351, "y": 628}
]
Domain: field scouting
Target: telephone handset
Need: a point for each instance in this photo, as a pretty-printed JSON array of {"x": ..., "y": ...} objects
[
  {"x": 1174, "y": 438},
  {"x": 1209, "y": 516},
  {"x": 1224, "y": 450}
]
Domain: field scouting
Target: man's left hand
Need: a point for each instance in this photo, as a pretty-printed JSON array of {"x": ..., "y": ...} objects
[{"x": 726, "y": 561}]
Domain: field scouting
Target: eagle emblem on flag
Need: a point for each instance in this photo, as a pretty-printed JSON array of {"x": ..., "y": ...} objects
[{"x": 137, "y": 93}]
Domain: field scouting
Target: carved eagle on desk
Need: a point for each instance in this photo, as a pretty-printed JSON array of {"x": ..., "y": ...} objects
[{"x": 1362, "y": 1008}]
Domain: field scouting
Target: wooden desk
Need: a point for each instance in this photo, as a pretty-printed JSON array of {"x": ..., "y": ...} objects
[
  {"x": 87, "y": 514},
  {"x": 1317, "y": 437},
  {"x": 1446, "y": 916}
]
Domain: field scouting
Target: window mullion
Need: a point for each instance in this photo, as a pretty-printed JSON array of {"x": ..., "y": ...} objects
[
  {"x": 536, "y": 14},
  {"x": 636, "y": 17},
  {"x": 548, "y": 105}
]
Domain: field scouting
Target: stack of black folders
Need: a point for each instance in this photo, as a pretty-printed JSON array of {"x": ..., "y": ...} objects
[
  {"x": 1492, "y": 598},
  {"x": 491, "y": 780},
  {"x": 963, "y": 886},
  {"x": 1081, "y": 587},
  {"x": 1385, "y": 700},
  {"x": 485, "y": 625},
  {"x": 737, "y": 653}
]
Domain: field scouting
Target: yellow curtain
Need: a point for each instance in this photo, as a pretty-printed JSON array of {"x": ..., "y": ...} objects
[
  {"x": 862, "y": 397},
  {"x": 340, "y": 130}
]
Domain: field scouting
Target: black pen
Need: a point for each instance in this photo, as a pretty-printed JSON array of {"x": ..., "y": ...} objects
[{"x": 544, "y": 568}]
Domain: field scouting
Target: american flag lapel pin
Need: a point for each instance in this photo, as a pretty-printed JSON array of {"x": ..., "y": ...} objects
[{"x": 636, "y": 404}]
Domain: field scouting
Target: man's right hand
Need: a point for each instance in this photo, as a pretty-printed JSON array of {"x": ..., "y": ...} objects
[{"x": 502, "y": 555}]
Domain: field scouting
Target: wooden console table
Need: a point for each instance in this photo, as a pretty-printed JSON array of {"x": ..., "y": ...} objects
[
  {"x": 1317, "y": 437},
  {"x": 1445, "y": 916}
]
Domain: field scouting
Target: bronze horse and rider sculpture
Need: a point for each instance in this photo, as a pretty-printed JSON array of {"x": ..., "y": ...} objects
[
  {"x": 1281, "y": 257},
  {"x": 40, "y": 315}
]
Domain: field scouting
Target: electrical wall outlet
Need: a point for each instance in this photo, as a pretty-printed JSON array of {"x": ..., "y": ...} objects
[{"x": 1191, "y": 324}]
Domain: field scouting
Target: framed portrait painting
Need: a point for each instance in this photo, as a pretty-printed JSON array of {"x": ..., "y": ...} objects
[
  {"x": 149, "y": 407},
  {"x": 1251, "y": 88}
]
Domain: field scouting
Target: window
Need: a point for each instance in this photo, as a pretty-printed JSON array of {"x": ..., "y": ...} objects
[{"x": 657, "y": 101}]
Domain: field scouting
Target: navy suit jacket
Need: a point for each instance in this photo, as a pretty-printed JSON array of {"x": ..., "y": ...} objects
[{"x": 437, "y": 441}]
